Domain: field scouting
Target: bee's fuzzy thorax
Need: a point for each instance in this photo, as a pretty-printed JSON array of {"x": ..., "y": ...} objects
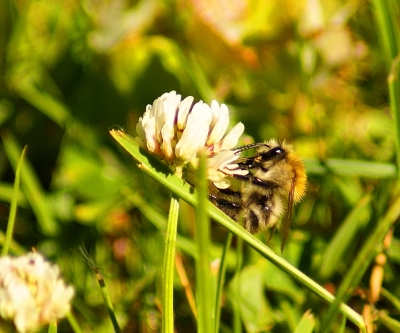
[
  {"x": 300, "y": 181},
  {"x": 291, "y": 163}
]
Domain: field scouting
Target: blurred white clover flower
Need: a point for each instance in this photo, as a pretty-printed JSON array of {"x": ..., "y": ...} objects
[
  {"x": 31, "y": 292},
  {"x": 176, "y": 131}
]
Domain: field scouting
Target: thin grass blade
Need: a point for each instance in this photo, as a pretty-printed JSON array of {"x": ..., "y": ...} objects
[
  {"x": 103, "y": 288},
  {"x": 306, "y": 324},
  {"x": 344, "y": 236},
  {"x": 32, "y": 188},
  {"x": 74, "y": 324},
  {"x": 52, "y": 327},
  {"x": 221, "y": 280},
  {"x": 169, "y": 266},
  {"x": 204, "y": 285},
  {"x": 13, "y": 207}
]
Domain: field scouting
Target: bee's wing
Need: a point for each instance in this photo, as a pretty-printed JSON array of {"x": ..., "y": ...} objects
[{"x": 284, "y": 228}]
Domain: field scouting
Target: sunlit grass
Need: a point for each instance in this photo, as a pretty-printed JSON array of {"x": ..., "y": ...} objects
[{"x": 322, "y": 75}]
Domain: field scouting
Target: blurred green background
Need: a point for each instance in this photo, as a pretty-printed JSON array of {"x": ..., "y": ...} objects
[{"x": 311, "y": 72}]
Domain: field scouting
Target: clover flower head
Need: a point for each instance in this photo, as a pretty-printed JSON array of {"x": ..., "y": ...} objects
[
  {"x": 31, "y": 292},
  {"x": 176, "y": 131}
]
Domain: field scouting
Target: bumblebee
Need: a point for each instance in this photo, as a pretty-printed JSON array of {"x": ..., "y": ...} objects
[{"x": 276, "y": 181}]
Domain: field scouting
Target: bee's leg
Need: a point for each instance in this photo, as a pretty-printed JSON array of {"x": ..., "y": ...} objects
[
  {"x": 247, "y": 177},
  {"x": 257, "y": 211},
  {"x": 229, "y": 201},
  {"x": 267, "y": 184},
  {"x": 248, "y": 164},
  {"x": 230, "y": 192}
]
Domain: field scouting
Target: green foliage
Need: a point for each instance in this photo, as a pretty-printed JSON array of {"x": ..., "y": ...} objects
[{"x": 320, "y": 74}]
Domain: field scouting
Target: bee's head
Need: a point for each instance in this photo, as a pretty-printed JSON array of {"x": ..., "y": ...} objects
[
  {"x": 281, "y": 160},
  {"x": 271, "y": 152}
]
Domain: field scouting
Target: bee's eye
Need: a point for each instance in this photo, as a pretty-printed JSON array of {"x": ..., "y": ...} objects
[{"x": 275, "y": 153}]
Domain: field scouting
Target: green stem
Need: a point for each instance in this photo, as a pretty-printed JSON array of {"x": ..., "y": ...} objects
[
  {"x": 103, "y": 288},
  {"x": 394, "y": 93},
  {"x": 387, "y": 27},
  {"x": 31, "y": 187},
  {"x": 168, "y": 269},
  {"x": 221, "y": 280},
  {"x": 13, "y": 208},
  {"x": 203, "y": 274},
  {"x": 237, "y": 320},
  {"x": 52, "y": 327},
  {"x": 74, "y": 324}
]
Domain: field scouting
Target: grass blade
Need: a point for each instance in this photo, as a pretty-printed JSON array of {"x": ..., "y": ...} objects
[
  {"x": 237, "y": 319},
  {"x": 31, "y": 187},
  {"x": 221, "y": 280},
  {"x": 13, "y": 207},
  {"x": 391, "y": 324},
  {"x": 394, "y": 93},
  {"x": 203, "y": 275},
  {"x": 50, "y": 106},
  {"x": 387, "y": 26},
  {"x": 103, "y": 288},
  {"x": 169, "y": 265},
  {"x": 74, "y": 324},
  {"x": 306, "y": 324},
  {"x": 391, "y": 298},
  {"x": 351, "y": 168},
  {"x": 52, "y": 327},
  {"x": 344, "y": 236}
]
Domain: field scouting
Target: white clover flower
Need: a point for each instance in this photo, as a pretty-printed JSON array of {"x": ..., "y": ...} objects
[
  {"x": 31, "y": 292},
  {"x": 176, "y": 131}
]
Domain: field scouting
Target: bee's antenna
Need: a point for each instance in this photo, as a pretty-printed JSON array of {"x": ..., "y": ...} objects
[{"x": 249, "y": 146}]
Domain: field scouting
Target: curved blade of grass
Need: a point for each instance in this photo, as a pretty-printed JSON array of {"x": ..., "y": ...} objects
[
  {"x": 361, "y": 263},
  {"x": 160, "y": 172},
  {"x": 31, "y": 187},
  {"x": 74, "y": 324},
  {"x": 391, "y": 324},
  {"x": 343, "y": 325},
  {"x": 221, "y": 281},
  {"x": 389, "y": 31},
  {"x": 47, "y": 104},
  {"x": 52, "y": 327},
  {"x": 344, "y": 236},
  {"x": 306, "y": 324},
  {"x": 15, "y": 248},
  {"x": 13, "y": 207},
  {"x": 237, "y": 318},
  {"x": 169, "y": 266},
  {"x": 391, "y": 298},
  {"x": 394, "y": 93},
  {"x": 203, "y": 275},
  {"x": 7, "y": 192},
  {"x": 351, "y": 168},
  {"x": 387, "y": 27},
  {"x": 103, "y": 288}
]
